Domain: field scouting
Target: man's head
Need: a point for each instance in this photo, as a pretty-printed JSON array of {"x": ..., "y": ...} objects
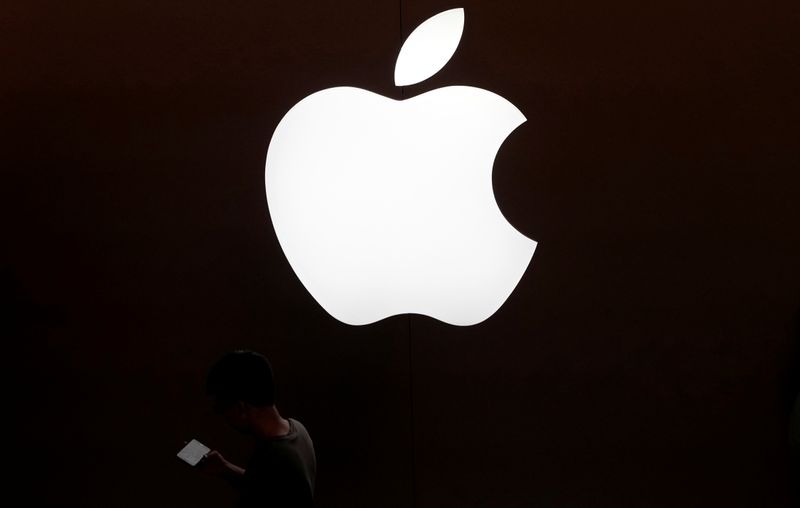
[{"x": 241, "y": 383}]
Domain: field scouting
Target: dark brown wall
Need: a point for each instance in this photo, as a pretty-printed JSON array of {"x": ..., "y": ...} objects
[{"x": 648, "y": 357}]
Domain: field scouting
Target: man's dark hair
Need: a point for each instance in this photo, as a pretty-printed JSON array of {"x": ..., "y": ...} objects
[{"x": 244, "y": 376}]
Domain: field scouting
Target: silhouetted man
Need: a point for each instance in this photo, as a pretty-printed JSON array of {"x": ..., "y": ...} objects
[{"x": 282, "y": 469}]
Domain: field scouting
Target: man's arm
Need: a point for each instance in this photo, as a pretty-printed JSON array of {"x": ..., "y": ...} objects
[{"x": 214, "y": 464}]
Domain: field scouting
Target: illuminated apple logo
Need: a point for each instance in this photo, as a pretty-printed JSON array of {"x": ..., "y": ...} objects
[{"x": 386, "y": 207}]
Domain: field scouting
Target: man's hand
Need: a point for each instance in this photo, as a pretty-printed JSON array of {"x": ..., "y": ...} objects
[{"x": 214, "y": 464}]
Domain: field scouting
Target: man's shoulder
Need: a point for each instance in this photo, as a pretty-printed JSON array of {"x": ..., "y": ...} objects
[
  {"x": 283, "y": 456},
  {"x": 297, "y": 426},
  {"x": 297, "y": 435}
]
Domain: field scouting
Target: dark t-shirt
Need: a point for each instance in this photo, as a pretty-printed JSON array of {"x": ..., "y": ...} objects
[{"x": 281, "y": 472}]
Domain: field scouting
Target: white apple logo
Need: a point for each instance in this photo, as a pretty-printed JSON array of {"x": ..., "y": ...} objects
[{"x": 386, "y": 207}]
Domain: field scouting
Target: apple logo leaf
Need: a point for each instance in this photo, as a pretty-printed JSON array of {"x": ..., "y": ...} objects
[{"x": 429, "y": 47}]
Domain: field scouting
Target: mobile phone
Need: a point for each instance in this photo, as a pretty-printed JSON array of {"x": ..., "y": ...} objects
[{"x": 193, "y": 452}]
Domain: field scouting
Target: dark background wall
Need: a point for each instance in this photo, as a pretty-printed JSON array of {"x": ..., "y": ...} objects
[{"x": 648, "y": 358}]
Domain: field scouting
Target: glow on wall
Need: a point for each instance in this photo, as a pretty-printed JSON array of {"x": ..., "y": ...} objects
[{"x": 386, "y": 207}]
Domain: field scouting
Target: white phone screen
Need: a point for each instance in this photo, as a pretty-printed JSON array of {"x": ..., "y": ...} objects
[{"x": 193, "y": 452}]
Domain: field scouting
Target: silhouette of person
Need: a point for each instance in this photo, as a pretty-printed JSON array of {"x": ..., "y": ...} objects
[{"x": 282, "y": 469}]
